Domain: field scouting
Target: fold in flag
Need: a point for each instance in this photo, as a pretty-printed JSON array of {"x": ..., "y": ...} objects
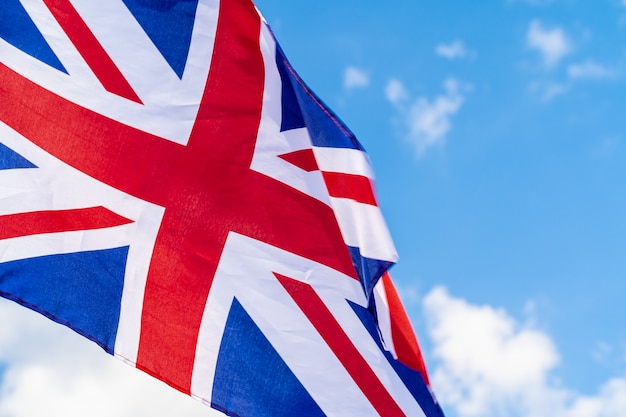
[{"x": 173, "y": 191}]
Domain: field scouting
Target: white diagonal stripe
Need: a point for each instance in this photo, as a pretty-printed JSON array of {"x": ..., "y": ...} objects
[
  {"x": 347, "y": 161},
  {"x": 364, "y": 227}
]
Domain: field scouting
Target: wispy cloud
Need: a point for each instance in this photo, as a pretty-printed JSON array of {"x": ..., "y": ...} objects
[
  {"x": 552, "y": 43},
  {"x": 547, "y": 91},
  {"x": 606, "y": 148},
  {"x": 426, "y": 122},
  {"x": 490, "y": 364},
  {"x": 354, "y": 77},
  {"x": 452, "y": 50},
  {"x": 590, "y": 70}
]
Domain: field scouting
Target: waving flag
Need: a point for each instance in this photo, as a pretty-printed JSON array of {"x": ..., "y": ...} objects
[{"x": 171, "y": 190}]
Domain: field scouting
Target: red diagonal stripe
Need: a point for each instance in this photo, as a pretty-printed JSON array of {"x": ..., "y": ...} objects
[
  {"x": 341, "y": 345},
  {"x": 55, "y": 221},
  {"x": 354, "y": 187},
  {"x": 404, "y": 340},
  {"x": 303, "y": 159},
  {"x": 90, "y": 49}
]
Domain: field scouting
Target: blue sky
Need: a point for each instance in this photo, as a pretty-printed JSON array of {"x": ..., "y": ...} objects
[
  {"x": 496, "y": 132},
  {"x": 497, "y": 135}
]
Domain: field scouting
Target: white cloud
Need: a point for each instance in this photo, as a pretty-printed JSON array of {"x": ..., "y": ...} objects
[
  {"x": 426, "y": 121},
  {"x": 486, "y": 357},
  {"x": 489, "y": 364},
  {"x": 553, "y": 44},
  {"x": 589, "y": 70},
  {"x": 395, "y": 92},
  {"x": 51, "y": 371},
  {"x": 609, "y": 402},
  {"x": 355, "y": 78},
  {"x": 452, "y": 50}
]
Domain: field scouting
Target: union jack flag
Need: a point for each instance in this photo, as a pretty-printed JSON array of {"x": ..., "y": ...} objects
[{"x": 173, "y": 191}]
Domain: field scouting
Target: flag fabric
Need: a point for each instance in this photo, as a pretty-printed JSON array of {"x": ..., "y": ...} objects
[{"x": 173, "y": 191}]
